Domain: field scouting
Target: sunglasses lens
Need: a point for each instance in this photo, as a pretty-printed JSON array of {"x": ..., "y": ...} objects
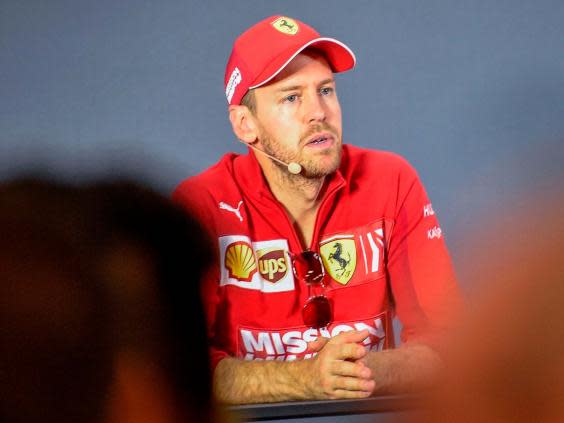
[
  {"x": 317, "y": 312},
  {"x": 308, "y": 267}
]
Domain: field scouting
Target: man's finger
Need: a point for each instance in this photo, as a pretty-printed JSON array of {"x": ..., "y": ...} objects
[
  {"x": 344, "y": 394},
  {"x": 353, "y": 336},
  {"x": 350, "y": 336},
  {"x": 348, "y": 352},
  {"x": 352, "y": 369},
  {"x": 318, "y": 344},
  {"x": 354, "y": 384}
]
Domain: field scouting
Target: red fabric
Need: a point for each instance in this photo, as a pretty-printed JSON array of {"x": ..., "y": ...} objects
[
  {"x": 264, "y": 49},
  {"x": 375, "y": 207}
]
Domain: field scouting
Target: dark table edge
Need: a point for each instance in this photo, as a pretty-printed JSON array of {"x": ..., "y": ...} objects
[{"x": 296, "y": 409}]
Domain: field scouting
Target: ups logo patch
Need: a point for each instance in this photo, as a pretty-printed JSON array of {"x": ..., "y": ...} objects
[{"x": 272, "y": 264}]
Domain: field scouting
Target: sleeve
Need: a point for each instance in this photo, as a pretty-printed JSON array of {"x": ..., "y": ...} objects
[
  {"x": 194, "y": 202},
  {"x": 211, "y": 299},
  {"x": 422, "y": 279}
]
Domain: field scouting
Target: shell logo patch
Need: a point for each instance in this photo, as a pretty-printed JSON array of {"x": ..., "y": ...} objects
[
  {"x": 339, "y": 259},
  {"x": 272, "y": 264},
  {"x": 257, "y": 265},
  {"x": 240, "y": 261},
  {"x": 286, "y": 25}
]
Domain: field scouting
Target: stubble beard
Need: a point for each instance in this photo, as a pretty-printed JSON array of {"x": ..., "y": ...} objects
[{"x": 313, "y": 167}]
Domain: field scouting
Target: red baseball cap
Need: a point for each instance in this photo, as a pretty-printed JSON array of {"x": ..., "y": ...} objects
[{"x": 263, "y": 50}]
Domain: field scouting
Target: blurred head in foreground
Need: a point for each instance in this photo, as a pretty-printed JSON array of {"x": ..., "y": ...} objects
[
  {"x": 100, "y": 316},
  {"x": 507, "y": 361}
]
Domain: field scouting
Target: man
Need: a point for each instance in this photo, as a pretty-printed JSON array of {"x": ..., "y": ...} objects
[{"x": 320, "y": 244}]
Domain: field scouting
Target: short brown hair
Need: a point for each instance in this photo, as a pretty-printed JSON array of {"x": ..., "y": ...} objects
[{"x": 250, "y": 101}]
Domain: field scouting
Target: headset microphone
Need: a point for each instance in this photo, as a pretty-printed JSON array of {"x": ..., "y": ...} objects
[{"x": 293, "y": 167}]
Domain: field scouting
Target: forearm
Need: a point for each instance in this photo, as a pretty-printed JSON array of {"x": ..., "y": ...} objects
[
  {"x": 237, "y": 381},
  {"x": 336, "y": 371},
  {"x": 408, "y": 368}
]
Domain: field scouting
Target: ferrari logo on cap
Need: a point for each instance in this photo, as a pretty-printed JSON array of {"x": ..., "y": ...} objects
[
  {"x": 339, "y": 259},
  {"x": 286, "y": 25}
]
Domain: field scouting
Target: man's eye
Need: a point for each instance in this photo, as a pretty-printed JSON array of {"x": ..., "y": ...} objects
[
  {"x": 326, "y": 90},
  {"x": 291, "y": 98}
]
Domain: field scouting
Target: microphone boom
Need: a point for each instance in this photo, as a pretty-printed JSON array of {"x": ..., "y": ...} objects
[{"x": 292, "y": 167}]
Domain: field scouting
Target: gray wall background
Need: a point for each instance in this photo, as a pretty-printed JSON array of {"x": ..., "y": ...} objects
[{"x": 470, "y": 92}]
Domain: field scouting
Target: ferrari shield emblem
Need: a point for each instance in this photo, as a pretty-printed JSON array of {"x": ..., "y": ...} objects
[
  {"x": 339, "y": 259},
  {"x": 286, "y": 25}
]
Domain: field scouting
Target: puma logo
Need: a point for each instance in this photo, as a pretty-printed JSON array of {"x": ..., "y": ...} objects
[{"x": 225, "y": 206}]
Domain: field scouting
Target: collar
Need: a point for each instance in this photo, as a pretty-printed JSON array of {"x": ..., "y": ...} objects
[{"x": 248, "y": 173}]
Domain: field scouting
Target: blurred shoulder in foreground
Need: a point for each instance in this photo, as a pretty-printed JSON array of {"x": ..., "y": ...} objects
[
  {"x": 507, "y": 361},
  {"x": 101, "y": 317}
]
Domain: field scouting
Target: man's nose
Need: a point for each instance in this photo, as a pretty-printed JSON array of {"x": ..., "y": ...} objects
[{"x": 315, "y": 110}]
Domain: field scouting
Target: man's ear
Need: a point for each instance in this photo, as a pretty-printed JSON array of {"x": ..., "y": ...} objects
[{"x": 243, "y": 123}]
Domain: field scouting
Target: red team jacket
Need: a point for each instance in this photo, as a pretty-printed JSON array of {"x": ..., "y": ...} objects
[{"x": 380, "y": 242}]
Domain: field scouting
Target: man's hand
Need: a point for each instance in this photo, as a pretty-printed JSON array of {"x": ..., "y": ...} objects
[
  {"x": 341, "y": 369},
  {"x": 338, "y": 370}
]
